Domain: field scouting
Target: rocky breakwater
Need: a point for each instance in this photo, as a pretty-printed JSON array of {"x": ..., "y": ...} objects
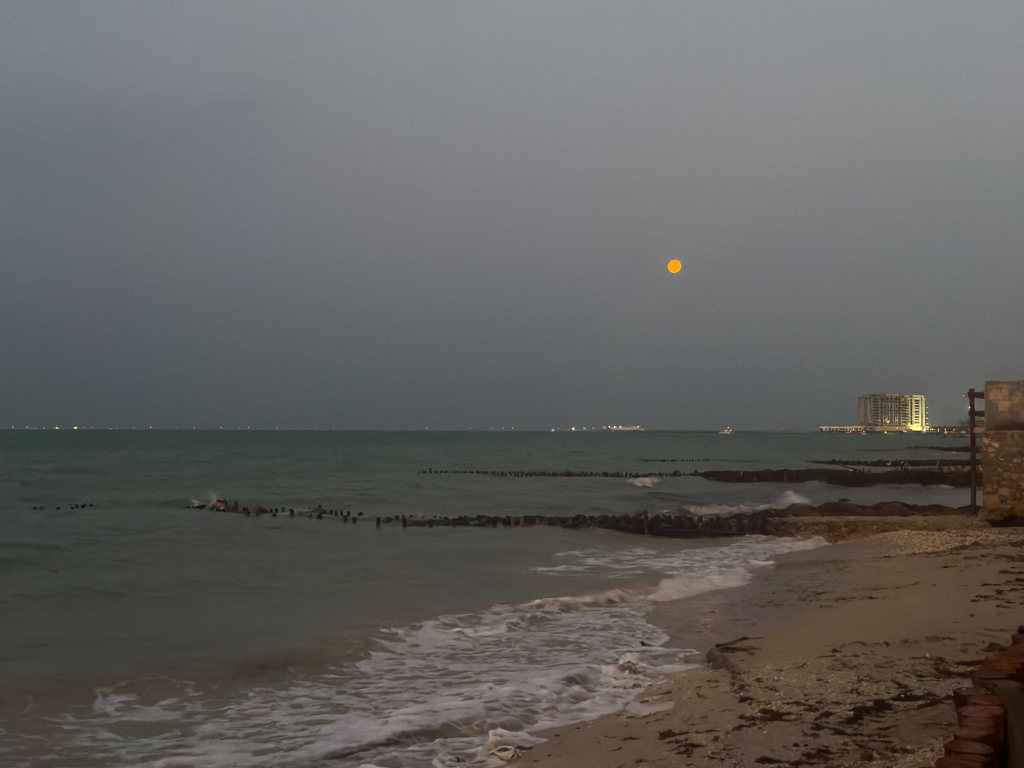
[
  {"x": 955, "y": 476},
  {"x": 639, "y": 522},
  {"x": 834, "y": 521},
  {"x": 915, "y": 472},
  {"x": 844, "y": 521}
]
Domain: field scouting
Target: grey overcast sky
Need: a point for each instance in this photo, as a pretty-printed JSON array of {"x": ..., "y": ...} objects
[{"x": 458, "y": 214}]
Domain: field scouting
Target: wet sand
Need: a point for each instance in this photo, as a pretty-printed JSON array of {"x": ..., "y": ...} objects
[{"x": 853, "y": 653}]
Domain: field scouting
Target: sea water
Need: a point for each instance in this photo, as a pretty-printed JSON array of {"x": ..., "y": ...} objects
[{"x": 137, "y": 631}]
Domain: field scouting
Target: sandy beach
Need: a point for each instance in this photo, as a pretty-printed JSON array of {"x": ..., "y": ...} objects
[{"x": 853, "y": 651}]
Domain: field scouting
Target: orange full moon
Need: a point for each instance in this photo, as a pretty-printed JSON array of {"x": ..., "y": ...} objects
[{"x": 674, "y": 266}]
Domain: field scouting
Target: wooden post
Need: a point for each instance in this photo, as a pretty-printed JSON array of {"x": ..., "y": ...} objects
[{"x": 972, "y": 415}]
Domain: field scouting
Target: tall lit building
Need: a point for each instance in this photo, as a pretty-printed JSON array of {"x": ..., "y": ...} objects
[{"x": 892, "y": 412}]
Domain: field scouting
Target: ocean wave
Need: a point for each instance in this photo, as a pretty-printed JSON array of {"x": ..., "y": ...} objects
[
  {"x": 783, "y": 500},
  {"x": 455, "y": 689},
  {"x": 683, "y": 563},
  {"x": 682, "y": 587},
  {"x": 432, "y": 693}
]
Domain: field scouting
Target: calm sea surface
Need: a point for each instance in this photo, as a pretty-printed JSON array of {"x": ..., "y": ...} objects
[{"x": 137, "y": 631}]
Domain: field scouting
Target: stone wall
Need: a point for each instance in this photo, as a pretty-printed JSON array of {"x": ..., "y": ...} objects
[
  {"x": 1004, "y": 406},
  {"x": 1002, "y": 453}
]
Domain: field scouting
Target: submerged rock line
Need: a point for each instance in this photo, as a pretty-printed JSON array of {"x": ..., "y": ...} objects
[
  {"x": 834, "y": 521},
  {"x": 939, "y": 472}
]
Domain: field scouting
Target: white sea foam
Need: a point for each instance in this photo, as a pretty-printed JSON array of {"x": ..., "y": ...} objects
[
  {"x": 787, "y": 498},
  {"x": 783, "y": 500},
  {"x": 685, "y": 563},
  {"x": 643, "y": 482},
  {"x": 688, "y": 586},
  {"x": 442, "y": 692}
]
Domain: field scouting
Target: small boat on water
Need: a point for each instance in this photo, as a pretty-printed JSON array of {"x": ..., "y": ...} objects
[{"x": 726, "y": 431}]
